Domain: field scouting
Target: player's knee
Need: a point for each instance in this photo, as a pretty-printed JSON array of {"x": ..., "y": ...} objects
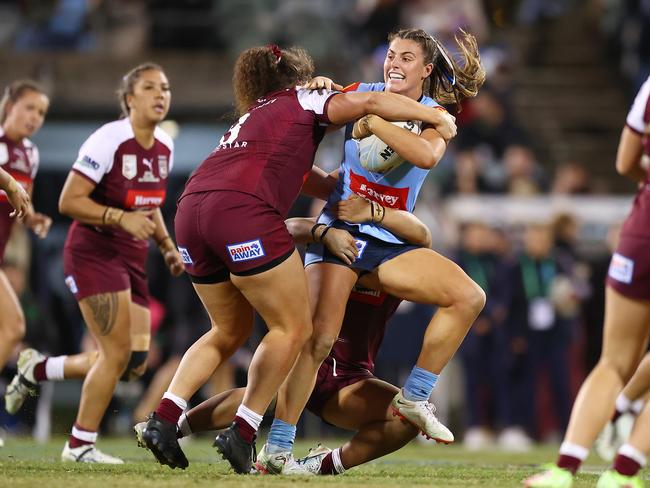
[
  {"x": 622, "y": 365},
  {"x": 136, "y": 366},
  {"x": 469, "y": 298},
  {"x": 320, "y": 346}
]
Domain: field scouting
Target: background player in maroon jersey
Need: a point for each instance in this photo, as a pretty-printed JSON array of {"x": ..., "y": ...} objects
[
  {"x": 346, "y": 394},
  {"x": 231, "y": 232},
  {"x": 627, "y": 326},
  {"x": 22, "y": 112},
  {"x": 113, "y": 193}
]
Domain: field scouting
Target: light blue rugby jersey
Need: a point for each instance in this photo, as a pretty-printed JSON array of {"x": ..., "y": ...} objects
[{"x": 397, "y": 188}]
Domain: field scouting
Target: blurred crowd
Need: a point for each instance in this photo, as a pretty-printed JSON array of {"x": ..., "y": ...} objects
[{"x": 540, "y": 331}]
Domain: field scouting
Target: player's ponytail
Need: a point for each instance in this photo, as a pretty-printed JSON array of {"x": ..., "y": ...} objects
[
  {"x": 15, "y": 92},
  {"x": 265, "y": 69},
  {"x": 449, "y": 82},
  {"x": 128, "y": 82}
]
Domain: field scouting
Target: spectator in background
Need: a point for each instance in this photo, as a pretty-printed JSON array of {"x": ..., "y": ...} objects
[
  {"x": 484, "y": 351},
  {"x": 524, "y": 175},
  {"x": 571, "y": 178},
  {"x": 542, "y": 315}
]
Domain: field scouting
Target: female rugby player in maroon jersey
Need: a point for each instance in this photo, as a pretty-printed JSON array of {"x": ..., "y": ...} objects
[
  {"x": 627, "y": 327},
  {"x": 113, "y": 193},
  {"x": 346, "y": 394},
  {"x": 22, "y": 112},
  {"x": 234, "y": 242}
]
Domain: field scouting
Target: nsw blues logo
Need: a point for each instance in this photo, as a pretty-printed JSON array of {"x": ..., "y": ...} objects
[
  {"x": 361, "y": 246},
  {"x": 245, "y": 251}
]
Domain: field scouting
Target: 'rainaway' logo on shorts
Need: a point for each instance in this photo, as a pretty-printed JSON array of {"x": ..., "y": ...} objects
[{"x": 245, "y": 251}]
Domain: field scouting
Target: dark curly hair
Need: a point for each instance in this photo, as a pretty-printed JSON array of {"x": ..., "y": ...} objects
[{"x": 265, "y": 69}]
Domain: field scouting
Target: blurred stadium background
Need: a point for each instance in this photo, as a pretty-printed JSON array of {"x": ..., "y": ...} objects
[{"x": 531, "y": 173}]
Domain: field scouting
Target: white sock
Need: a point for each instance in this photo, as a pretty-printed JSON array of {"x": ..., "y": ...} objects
[
  {"x": 84, "y": 435},
  {"x": 632, "y": 452},
  {"x": 623, "y": 403},
  {"x": 184, "y": 425},
  {"x": 253, "y": 419},
  {"x": 637, "y": 406},
  {"x": 178, "y": 401},
  {"x": 574, "y": 450},
  {"x": 54, "y": 368},
  {"x": 336, "y": 461}
]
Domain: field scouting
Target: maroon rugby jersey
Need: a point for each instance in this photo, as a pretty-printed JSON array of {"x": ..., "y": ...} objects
[
  {"x": 366, "y": 317},
  {"x": 638, "y": 120},
  {"x": 269, "y": 150},
  {"x": 126, "y": 175},
  {"x": 20, "y": 160}
]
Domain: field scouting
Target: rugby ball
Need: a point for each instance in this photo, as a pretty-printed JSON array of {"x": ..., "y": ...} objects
[{"x": 377, "y": 156}]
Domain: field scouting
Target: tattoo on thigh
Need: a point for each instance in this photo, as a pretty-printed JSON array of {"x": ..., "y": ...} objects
[{"x": 104, "y": 309}]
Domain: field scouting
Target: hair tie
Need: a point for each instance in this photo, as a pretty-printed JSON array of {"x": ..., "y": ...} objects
[{"x": 275, "y": 49}]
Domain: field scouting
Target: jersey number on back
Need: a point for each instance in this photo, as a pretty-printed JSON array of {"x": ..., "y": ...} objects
[{"x": 234, "y": 131}]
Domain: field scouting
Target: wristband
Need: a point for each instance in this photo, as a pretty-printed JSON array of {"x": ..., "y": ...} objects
[
  {"x": 313, "y": 231},
  {"x": 322, "y": 236}
]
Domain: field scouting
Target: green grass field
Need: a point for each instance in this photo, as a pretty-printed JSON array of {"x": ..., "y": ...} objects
[{"x": 24, "y": 463}]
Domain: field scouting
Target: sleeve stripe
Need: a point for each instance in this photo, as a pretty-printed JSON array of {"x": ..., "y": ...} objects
[
  {"x": 351, "y": 87},
  {"x": 80, "y": 173}
]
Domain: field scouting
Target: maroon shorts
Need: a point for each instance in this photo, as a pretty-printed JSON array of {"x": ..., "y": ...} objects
[
  {"x": 629, "y": 269},
  {"x": 223, "y": 232},
  {"x": 93, "y": 264},
  {"x": 330, "y": 380}
]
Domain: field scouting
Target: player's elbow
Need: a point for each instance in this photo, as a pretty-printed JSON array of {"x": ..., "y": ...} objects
[{"x": 65, "y": 207}]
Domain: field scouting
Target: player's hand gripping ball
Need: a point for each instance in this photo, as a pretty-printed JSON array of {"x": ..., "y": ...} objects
[{"x": 377, "y": 156}]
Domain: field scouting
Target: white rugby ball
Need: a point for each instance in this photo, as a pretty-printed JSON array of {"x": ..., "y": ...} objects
[{"x": 377, "y": 156}]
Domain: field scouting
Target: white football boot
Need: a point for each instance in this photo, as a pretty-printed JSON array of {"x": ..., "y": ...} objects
[
  {"x": 421, "y": 415},
  {"x": 267, "y": 463},
  {"x": 87, "y": 454},
  {"x": 308, "y": 465},
  {"x": 23, "y": 383}
]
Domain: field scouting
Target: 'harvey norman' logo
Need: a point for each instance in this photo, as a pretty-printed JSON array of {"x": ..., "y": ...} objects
[{"x": 245, "y": 251}]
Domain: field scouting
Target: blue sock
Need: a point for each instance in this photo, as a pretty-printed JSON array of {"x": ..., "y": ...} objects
[
  {"x": 419, "y": 384},
  {"x": 281, "y": 436}
]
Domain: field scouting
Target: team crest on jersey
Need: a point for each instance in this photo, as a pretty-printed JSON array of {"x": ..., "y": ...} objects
[
  {"x": 4, "y": 153},
  {"x": 245, "y": 251},
  {"x": 621, "y": 268},
  {"x": 163, "y": 168},
  {"x": 129, "y": 166}
]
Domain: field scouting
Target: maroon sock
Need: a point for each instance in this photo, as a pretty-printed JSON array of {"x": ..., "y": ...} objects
[
  {"x": 75, "y": 441},
  {"x": 246, "y": 430},
  {"x": 327, "y": 465},
  {"x": 626, "y": 466},
  {"x": 569, "y": 463},
  {"x": 169, "y": 411},
  {"x": 39, "y": 371},
  {"x": 616, "y": 415}
]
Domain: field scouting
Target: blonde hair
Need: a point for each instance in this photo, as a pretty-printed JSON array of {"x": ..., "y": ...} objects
[{"x": 14, "y": 92}]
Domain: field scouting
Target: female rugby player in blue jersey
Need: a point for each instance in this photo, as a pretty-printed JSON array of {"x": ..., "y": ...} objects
[{"x": 417, "y": 66}]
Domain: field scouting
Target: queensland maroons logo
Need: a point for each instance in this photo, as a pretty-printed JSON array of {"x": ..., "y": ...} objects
[{"x": 129, "y": 166}]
